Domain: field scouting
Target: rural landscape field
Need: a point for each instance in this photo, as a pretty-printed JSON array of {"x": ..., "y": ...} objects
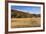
[
  {"x": 25, "y": 22},
  {"x": 23, "y": 19}
]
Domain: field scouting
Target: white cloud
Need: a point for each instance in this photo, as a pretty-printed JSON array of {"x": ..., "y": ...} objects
[{"x": 31, "y": 12}]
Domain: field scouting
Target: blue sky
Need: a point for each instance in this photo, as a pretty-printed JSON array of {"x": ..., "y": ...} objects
[{"x": 30, "y": 9}]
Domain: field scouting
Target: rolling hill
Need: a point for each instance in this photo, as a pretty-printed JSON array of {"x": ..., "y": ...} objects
[{"x": 20, "y": 14}]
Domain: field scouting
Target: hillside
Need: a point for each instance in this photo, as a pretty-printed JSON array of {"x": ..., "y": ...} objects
[
  {"x": 20, "y": 14},
  {"x": 23, "y": 19}
]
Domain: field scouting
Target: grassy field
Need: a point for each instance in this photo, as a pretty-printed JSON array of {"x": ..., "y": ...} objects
[{"x": 25, "y": 22}]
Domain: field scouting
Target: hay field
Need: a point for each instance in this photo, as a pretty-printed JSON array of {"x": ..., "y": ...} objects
[{"x": 25, "y": 22}]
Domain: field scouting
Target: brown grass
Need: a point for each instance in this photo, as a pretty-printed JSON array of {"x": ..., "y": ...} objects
[{"x": 25, "y": 22}]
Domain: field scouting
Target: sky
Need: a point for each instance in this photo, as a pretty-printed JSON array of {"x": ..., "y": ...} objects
[{"x": 29, "y": 9}]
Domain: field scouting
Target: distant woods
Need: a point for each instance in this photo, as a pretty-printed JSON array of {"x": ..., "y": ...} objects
[{"x": 20, "y": 14}]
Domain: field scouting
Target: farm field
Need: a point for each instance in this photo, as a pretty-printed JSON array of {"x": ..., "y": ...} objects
[{"x": 25, "y": 22}]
